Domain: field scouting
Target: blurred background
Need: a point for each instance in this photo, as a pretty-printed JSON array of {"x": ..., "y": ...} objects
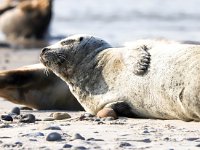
[
  {"x": 116, "y": 21},
  {"x": 119, "y": 21}
]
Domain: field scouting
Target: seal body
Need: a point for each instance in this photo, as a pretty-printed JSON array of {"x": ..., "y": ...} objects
[
  {"x": 31, "y": 86},
  {"x": 158, "y": 81}
]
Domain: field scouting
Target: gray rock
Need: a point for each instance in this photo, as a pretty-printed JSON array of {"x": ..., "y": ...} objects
[
  {"x": 28, "y": 118},
  {"x": 67, "y": 146},
  {"x": 77, "y": 136},
  {"x": 87, "y": 115},
  {"x": 61, "y": 116},
  {"x": 124, "y": 144},
  {"x": 93, "y": 139},
  {"x": 7, "y": 117},
  {"x": 53, "y": 128},
  {"x": 54, "y": 136},
  {"x": 192, "y": 139},
  {"x": 79, "y": 148},
  {"x": 16, "y": 110}
]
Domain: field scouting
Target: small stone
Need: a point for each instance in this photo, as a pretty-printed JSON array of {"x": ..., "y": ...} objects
[
  {"x": 48, "y": 119},
  {"x": 79, "y": 148},
  {"x": 53, "y": 128},
  {"x": 61, "y": 116},
  {"x": 146, "y": 131},
  {"x": 97, "y": 119},
  {"x": 18, "y": 144},
  {"x": 16, "y": 110},
  {"x": 67, "y": 146},
  {"x": 166, "y": 139},
  {"x": 192, "y": 139},
  {"x": 124, "y": 144},
  {"x": 77, "y": 136},
  {"x": 109, "y": 119},
  {"x": 37, "y": 134},
  {"x": 147, "y": 140},
  {"x": 198, "y": 145},
  {"x": 93, "y": 139},
  {"x": 107, "y": 112},
  {"x": 28, "y": 118},
  {"x": 54, "y": 136},
  {"x": 6, "y": 117},
  {"x": 88, "y": 115}
]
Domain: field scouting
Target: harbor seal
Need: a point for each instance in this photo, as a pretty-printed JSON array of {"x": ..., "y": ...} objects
[
  {"x": 161, "y": 81},
  {"x": 30, "y": 86}
]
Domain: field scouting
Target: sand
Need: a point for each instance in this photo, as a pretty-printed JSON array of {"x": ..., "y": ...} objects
[{"x": 123, "y": 133}]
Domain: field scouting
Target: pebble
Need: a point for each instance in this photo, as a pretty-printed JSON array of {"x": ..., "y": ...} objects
[
  {"x": 93, "y": 139},
  {"x": 107, "y": 112},
  {"x": 108, "y": 119},
  {"x": 6, "y": 117},
  {"x": 79, "y": 148},
  {"x": 16, "y": 110},
  {"x": 54, "y": 136},
  {"x": 67, "y": 146},
  {"x": 147, "y": 140},
  {"x": 124, "y": 144},
  {"x": 37, "y": 134},
  {"x": 28, "y": 118},
  {"x": 198, "y": 145},
  {"x": 52, "y": 128},
  {"x": 61, "y": 116},
  {"x": 87, "y": 115},
  {"x": 192, "y": 139},
  {"x": 77, "y": 136},
  {"x": 19, "y": 144}
]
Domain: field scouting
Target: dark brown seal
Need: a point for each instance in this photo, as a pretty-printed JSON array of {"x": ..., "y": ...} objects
[{"x": 31, "y": 86}]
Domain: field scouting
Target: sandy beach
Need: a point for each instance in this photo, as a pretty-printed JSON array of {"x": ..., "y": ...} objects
[{"x": 123, "y": 133}]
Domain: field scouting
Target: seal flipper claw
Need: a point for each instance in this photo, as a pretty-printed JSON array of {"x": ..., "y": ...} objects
[{"x": 142, "y": 59}]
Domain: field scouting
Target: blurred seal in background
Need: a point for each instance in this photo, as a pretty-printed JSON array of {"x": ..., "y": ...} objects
[{"x": 25, "y": 22}]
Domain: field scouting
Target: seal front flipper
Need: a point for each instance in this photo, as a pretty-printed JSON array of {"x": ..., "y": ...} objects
[{"x": 137, "y": 59}]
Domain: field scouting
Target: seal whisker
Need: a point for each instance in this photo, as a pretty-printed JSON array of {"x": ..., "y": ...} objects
[{"x": 46, "y": 71}]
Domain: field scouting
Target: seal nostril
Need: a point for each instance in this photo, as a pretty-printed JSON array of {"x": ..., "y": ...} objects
[{"x": 45, "y": 49}]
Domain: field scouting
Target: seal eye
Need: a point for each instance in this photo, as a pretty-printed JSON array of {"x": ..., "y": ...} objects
[
  {"x": 67, "y": 42},
  {"x": 80, "y": 39}
]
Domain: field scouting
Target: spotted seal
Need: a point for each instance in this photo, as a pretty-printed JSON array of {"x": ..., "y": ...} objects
[{"x": 161, "y": 81}]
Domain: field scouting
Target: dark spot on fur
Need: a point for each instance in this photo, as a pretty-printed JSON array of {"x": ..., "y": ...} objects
[{"x": 123, "y": 109}]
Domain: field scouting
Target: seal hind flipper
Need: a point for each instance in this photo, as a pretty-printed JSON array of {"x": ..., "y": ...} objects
[{"x": 123, "y": 109}]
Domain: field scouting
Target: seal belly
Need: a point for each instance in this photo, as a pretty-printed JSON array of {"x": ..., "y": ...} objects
[{"x": 174, "y": 82}]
